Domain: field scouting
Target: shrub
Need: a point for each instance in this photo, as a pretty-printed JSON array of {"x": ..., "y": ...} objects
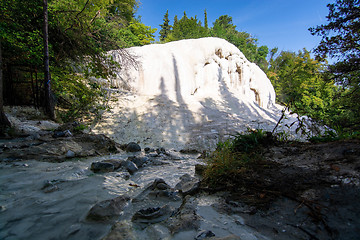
[{"x": 235, "y": 156}]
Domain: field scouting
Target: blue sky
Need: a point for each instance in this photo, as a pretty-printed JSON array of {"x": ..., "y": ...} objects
[{"x": 275, "y": 23}]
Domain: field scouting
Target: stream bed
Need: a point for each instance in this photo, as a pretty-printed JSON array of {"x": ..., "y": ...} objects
[
  {"x": 53, "y": 199},
  {"x": 44, "y": 200}
]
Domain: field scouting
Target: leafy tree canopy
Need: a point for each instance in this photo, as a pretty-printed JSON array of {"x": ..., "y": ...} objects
[
  {"x": 80, "y": 33},
  {"x": 341, "y": 40},
  {"x": 299, "y": 82},
  {"x": 223, "y": 27}
]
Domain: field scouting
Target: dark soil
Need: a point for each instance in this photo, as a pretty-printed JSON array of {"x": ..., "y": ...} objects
[{"x": 319, "y": 182}]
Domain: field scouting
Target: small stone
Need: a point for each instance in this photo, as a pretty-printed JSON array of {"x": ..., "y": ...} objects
[
  {"x": 51, "y": 185},
  {"x": 116, "y": 163},
  {"x": 129, "y": 166},
  {"x": 70, "y": 154},
  {"x": 204, "y": 234},
  {"x": 152, "y": 215},
  {"x": 108, "y": 209},
  {"x": 133, "y": 147},
  {"x": 162, "y": 186},
  {"x": 161, "y": 151},
  {"x": 188, "y": 184},
  {"x": 121, "y": 231},
  {"x": 139, "y": 161},
  {"x": 189, "y": 151},
  {"x": 102, "y": 167}
]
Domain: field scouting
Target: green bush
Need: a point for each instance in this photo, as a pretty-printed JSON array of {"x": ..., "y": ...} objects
[
  {"x": 329, "y": 136},
  {"x": 235, "y": 156}
]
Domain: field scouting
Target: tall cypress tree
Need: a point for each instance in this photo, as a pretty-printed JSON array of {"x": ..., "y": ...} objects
[
  {"x": 165, "y": 27},
  {"x": 206, "y": 20},
  {"x": 176, "y": 20}
]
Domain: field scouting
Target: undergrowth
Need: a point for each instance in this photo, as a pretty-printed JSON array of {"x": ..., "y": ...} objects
[
  {"x": 236, "y": 156},
  {"x": 329, "y": 136}
]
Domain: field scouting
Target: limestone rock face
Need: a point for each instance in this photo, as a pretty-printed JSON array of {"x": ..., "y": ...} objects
[
  {"x": 195, "y": 67},
  {"x": 188, "y": 94}
]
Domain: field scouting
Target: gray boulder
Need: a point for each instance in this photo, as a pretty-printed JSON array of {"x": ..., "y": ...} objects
[
  {"x": 121, "y": 231},
  {"x": 204, "y": 235},
  {"x": 188, "y": 185},
  {"x": 139, "y": 161},
  {"x": 129, "y": 166},
  {"x": 133, "y": 147},
  {"x": 108, "y": 209},
  {"x": 152, "y": 215},
  {"x": 102, "y": 167}
]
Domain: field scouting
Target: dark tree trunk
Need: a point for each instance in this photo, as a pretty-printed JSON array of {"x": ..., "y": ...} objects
[
  {"x": 49, "y": 103},
  {"x": 4, "y": 122}
]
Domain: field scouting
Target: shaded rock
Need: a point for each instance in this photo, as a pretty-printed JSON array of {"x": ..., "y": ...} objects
[
  {"x": 152, "y": 215},
  {"x": 159, "y": 184},
  {"x": 70, "y": 154},
  {"x": 107, "y": 209},
  {"x": 158, "y": 189},
  {"x": 133, "y": 147},
  {"x": 102, "y": 167},
  {"x": 186, "y": 217},
  {"x": 51, "y": 185},
  {"x": 129, "y": 166},
  {"x": 116, "y": 163},
  {"x": 230, "y": 237},
  {"x": 161, "y": 151},
  {"x": 204, "y": 234},
  {"x": 153, "y": 155},
  {"x": 188, "y": 184},
  {"x": 149, "y": 150},
  {"x": 47, "y": 148},
  {"x": 189, "y": 151},
  {"x": 2, "y": 209},
  {"x": 139, "y": 161},
  {"x": 120, "y": 231},
  {"x": 65, "y": 133}
]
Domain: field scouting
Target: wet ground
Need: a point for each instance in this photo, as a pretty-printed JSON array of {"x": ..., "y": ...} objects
[{"x": 307, "y": 191}]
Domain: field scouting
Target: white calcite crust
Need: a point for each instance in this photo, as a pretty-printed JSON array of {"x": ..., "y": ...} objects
[
  {"x": 189, "y": 94},
  {"x": 195, "y": 67}
]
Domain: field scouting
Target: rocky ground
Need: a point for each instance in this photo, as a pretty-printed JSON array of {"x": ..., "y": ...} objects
[{"x": 300, "y": 191}]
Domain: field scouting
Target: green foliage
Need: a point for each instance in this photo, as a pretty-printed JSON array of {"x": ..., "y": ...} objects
[
  {"x": 79, "y": 128},
  {"x": 77, "y": 96},
  {"x": 165, "y": 27},
  {"x": 249, "y": 142},
  {"x": 300, "y": 83},
  {"x": 341, "y": 41},
  {"x": 234, "y": 156},
  {"x": 330, "y": 135},
  {"x": 223, "y": 27},
  {"x": 186, "y": 28},
  {"x": 81, "y": 31},
  {"x": 20, "y": 32},
  {"x": 136, "y": 34}
]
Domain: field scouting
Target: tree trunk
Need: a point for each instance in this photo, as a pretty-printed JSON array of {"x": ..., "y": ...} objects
[
  {"x": 4, "y": 122},
  {"x": 49, "y": 103}
]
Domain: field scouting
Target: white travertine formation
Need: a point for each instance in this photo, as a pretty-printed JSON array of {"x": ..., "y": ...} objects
[
  {"x": 189, "y": 94},
  {"x": 195, "y": 67}
]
